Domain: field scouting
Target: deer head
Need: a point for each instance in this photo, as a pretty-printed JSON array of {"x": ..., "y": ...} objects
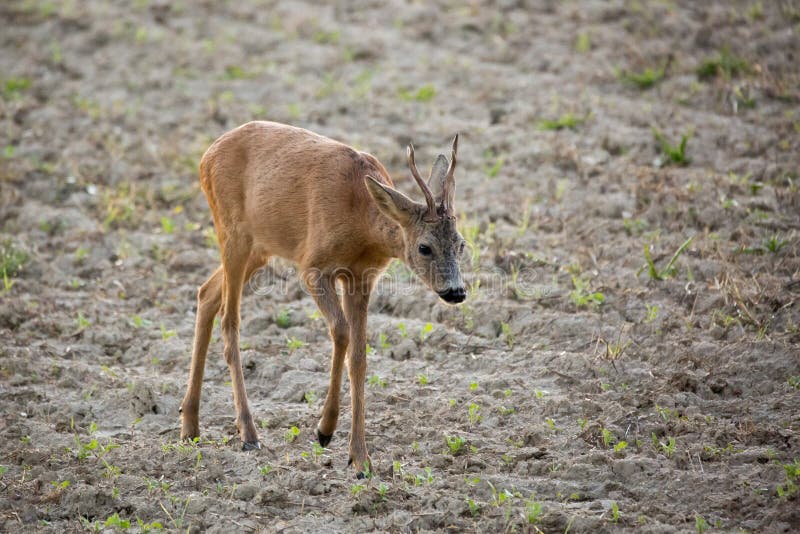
[{"x": 433, "y": 245}]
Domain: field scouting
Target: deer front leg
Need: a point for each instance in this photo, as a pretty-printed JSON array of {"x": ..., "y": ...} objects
[
  {"x": 209, "y": 300},
  {"x": 323, "y": 289},
  {"x": 356, "y": 303}
]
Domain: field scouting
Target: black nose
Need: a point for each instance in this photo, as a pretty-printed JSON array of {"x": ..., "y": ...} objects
[{"x": 454, "y": 295}]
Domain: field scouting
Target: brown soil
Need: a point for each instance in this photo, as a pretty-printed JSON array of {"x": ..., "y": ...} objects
[{"x": 566, "y": 349}]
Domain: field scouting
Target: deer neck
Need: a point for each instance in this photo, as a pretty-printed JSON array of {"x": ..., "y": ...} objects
[{"x": 389, "y": 236}]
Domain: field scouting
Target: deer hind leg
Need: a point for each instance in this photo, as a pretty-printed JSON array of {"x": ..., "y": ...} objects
[
  {"x": 323, "y": 289},
  {"x": 209, "y": 298},
  {"x": 235, "y": 260},
  {"x": 356, "y": 302},
  {"x": 209, "y": 303}
]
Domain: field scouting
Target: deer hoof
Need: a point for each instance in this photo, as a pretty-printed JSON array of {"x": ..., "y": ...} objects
[
  {"x": 251, "y": 446},
  {"x": 324, "y": 439}
]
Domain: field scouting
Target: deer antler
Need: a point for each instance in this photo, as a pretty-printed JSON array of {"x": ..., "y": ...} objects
[
  {"x": 450, "y": 181},
  {"x": 431, "y": 214}
]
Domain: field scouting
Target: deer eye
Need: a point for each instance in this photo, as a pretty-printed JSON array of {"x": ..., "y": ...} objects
[{"x": 425, "y": 250}]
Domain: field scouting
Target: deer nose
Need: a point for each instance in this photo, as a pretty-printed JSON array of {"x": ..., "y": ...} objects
[{"x": 454, "y": 295}]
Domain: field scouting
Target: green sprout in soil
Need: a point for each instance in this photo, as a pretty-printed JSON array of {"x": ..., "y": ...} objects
[
  {"x": 507, "y": 334},
  {"x": 533, "y": 510},
  {"x": 724, "y": 63},
  {"x": 700, "y": 524},
  {"x": 283, "y": 320},
  {"x": 14, "y": 87},
  {"x": 474, "y": 413},
  {"x": 614, "y": 512},
  {"x": 423, "y": 94},
  {"x": 669, "y": 269},
  {"x": 425, "y": 332},
  {"x": 292, "y": 343},
  {"x": 675, "y": 153},
  {"x": 494, "y": 162},
  {"x": 583, "y": 43},
  {"x": 474, "y": 508},
  {"x": 455, "y": 444},
  {"x": 290, "y": 435},
  {"x": 567, "y": 120},
  {"x": 376, "y": 381},
  {"x": 422, "y": 379},
  {"x": 12, "y": 258},
  {"x": 790, "y": 487},
  {"x": 581, "y": 296},
  {"x": 644, "y": 79}
]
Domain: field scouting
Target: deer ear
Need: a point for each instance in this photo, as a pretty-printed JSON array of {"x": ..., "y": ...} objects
[
  {"x": 438, "y": 176},
  {"x": 391, "y": 202}
]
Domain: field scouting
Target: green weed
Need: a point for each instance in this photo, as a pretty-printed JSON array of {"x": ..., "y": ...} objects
[
  {"x": 283, "y": 320},
  {"x": 644, "y": 79},
  {"x": 455, "y": 444},
  {"x": 423, "y": 94},
  {"x": 376, "y": 381},
  {"x": 724, "y": 63},
  {"x": 675, "y": 153},
  {"x": 567, "y": 120},
  {"x": 581, "y": 296},
  {"x": 12, "y": 258},
  {"x": 669, "y": 270},
  {"x": 292, "y": 343}
]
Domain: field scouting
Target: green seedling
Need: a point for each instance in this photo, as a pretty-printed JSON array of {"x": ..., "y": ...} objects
[
  {"x": 700, "y": 524},
  {"x": 290, "y": 435},
  {"x": 533, "y": 510},
  {"x": 581, "y": 296},
  {"x": 652, "y": 313},
  {"x": 383, "y": 342},
  {"x": 425, "y": 332},
  {"x": 455, "y": 444},
  {"x": 115, "y": 521},
  {"x": 166, "y": 334},
  {"x": 675, "y": 153},
  {"x": 376, "y": 381},
  {"x": 790, "y": 487},
  {"x": 167, "y": 225},
  {"x": 666, "y": 448},
  {"x": 774, "y": 244},
  {"x": 725, "y": 64},
  {"x": 310, "y": 397},
  {"x": 82, "y": 321},
  {"x": 283, "y": 320},
  {"x": 567, "y": 120},
  {"x": 669, "y": 269},
  {"x": 422, "y": 379},
  {"x": 494, "y": 162},
  {"x": 644, "y": 79},
  {"x": 14, "y": 87},
  {"x": 474, "y": 413},
  {"x": 266, "y": 469},
  {"x": 423, "y": 94},
  {"x": 12, "y": 259},
  {"x": 583, "y": 43},
  {"x": 402, "y": 328},
  {"x": 292, "y": 343},
  {"x": 614, "y": 512},
  {"x": 474, "y": 509},
  {"x": 507, "y": 334}
]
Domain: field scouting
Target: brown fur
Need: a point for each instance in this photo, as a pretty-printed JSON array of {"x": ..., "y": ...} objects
[{"x": 278, "y": 190}]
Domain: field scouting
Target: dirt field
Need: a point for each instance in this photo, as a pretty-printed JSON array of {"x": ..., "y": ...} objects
[{"x": 578, "y": 389}]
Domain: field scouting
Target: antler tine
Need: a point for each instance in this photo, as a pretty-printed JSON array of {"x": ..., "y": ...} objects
[
  {"x": 450, "y": 178},
  {"x": 431, "y": 213}
]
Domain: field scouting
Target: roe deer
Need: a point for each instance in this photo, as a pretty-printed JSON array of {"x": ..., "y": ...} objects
[{"x": 278, "y": 190}]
